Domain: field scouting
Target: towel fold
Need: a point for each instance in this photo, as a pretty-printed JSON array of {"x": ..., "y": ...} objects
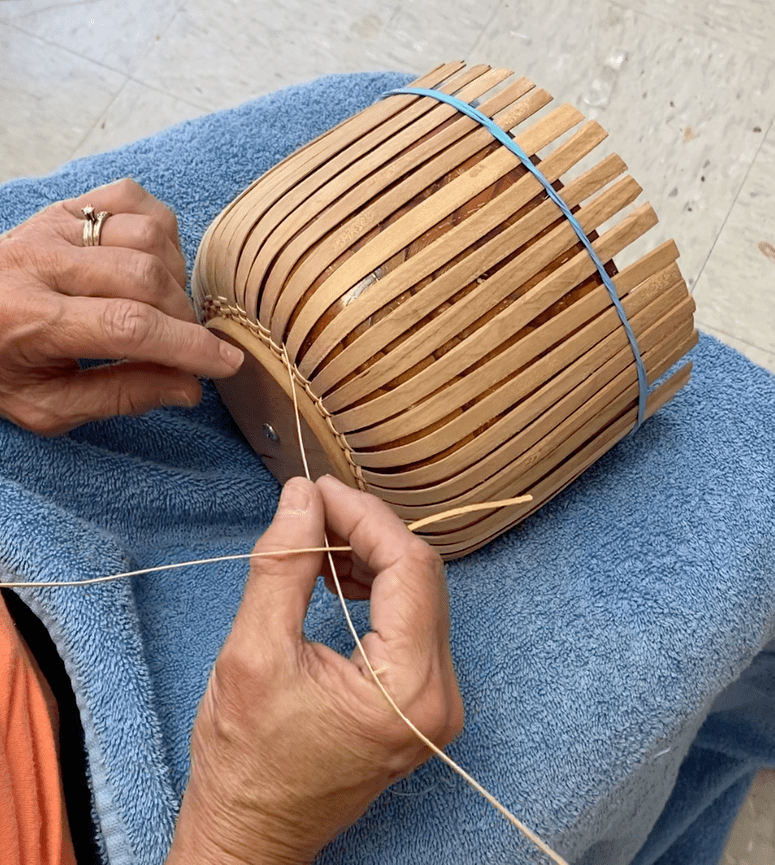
[{"x": 591, "y": 641}]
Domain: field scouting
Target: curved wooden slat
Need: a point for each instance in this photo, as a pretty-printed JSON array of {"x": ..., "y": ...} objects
[
  {"x": 473, "y": 349},
  {"x": 422, "y": 218},
  {"x": 475, "y": 262}
]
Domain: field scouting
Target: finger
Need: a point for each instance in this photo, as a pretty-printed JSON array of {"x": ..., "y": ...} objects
[
  {"x": 145, "y": 235},
  {"x": 61, "y": 404},
  {"x": 279, "y": 587},
  {"x": 126, "y": 196},
  {"x": 354, "y": 577},
  {"x": 353, "y": 590},
  {"x": 116, "y": 272},
  {"x": 131, "y": 231},
  {"x": 408, "y": 596},
  {"x": 92, "y": 327}
]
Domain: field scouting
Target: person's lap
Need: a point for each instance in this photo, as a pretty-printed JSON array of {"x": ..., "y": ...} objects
[{"x": 590, "y": 642}]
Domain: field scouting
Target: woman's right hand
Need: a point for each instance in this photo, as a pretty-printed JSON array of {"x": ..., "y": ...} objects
[{"x": 293, "y": 741}]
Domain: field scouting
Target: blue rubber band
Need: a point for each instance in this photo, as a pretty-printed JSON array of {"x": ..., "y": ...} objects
[{"x": 508, "y": 141}]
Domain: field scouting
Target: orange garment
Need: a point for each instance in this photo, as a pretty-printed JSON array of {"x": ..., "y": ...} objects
[{"x": 33, "y": 818}]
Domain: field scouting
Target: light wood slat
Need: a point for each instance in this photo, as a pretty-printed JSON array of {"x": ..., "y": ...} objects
[
  {"x": 501, "y": 101},
  {"x": 471, "y": 350},
  {"x": 520, "y": 405},
  {"x": 488, "y": 294},
  {"x": 621, "y": 423},
  {"x": 509, "y": 437},
  {"x": 554, "y": 445},
  {"x": 394, "y": 198},
  {"x": 449, "y": 339},
  {"x": 414, "y": 312},
  {"x": 589, "y": 349},
  {"x": 315, "y": 153},
  {"x": 441, "y": 251},
  {"x": 421, "y": 218},
  {"x": 474, "y": 139},
  {"x": 347, "y": 167},
  {"x": 376, "y": 170},
  {"x": 455, "y": 546}
]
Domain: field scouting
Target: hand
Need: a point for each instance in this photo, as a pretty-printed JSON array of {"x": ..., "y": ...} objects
[
  {"x": 122, "y": 300},
  {"x": 293, "y": 741}
]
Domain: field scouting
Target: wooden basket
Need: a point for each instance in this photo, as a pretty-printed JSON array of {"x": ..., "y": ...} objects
[{"x": 450, "y": 339}]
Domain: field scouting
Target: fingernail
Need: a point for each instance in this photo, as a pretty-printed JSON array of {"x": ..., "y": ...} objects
[
  {"x": 294, "y": 499},
  {"x": 178, "y": 398},
  {"x": 231, "y": 354}
]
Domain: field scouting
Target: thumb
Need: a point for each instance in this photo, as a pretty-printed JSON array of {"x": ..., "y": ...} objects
[{"x": 279, "y": 586}]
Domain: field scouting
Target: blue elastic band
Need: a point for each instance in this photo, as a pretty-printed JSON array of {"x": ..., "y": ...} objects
[{"x": 508, "y": 141}]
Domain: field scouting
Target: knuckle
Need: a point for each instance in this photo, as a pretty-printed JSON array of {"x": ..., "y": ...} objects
[
  {"x": 150, "y": 273},
  {"x": 424, "y": 557},
  {"x": 237, "y": 673},
  {"x": 274, "y": 559},
  {"x": 58, "y": 210},
  {"x": 150, "y": 236},
  {"x": 126, "y": 323},
  {"x": 128, "y": 188},
  {"x": 170, "y": 221},
  {"x": 15, "y": 254}
]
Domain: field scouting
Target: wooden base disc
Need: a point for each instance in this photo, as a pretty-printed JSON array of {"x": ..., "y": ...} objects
[{"x": 260, "y": 401}]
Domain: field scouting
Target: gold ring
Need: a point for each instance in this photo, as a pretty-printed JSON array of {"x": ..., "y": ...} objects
[{"x": 92, "y": 226}]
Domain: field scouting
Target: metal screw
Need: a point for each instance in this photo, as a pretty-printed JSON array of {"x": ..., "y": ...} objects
[{"x": 270, "y": 432}]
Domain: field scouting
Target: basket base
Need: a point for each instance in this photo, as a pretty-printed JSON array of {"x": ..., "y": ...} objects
[{"x": 259, "y": 399}]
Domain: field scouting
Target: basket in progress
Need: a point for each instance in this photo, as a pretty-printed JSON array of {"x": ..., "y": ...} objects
[{"x": 449, "y": 338}]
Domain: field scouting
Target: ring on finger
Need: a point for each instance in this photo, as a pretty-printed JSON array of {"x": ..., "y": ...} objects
[{"x": 92, "y": 226}]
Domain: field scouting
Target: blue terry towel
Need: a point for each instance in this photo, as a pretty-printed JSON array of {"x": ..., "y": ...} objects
[{"x": 591, "y": 642}]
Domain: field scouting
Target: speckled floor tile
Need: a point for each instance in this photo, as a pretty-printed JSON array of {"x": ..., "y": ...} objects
[
  {"x": 736, "y": 292},
  {"x": 418, "y": 39},
  {"x": 137, "y": 111},
  {"x": 758, "y": 355},
  {"x": 117, "y": 35},
  {"x": 49, "y": 101},
  {"x": 217, "y": 54},
  {"x": 685, "y": 113},
  {"x": 14, "y": 8},
  {"x": 745, "y": 24},
  {"x": 244, "y": 50}
]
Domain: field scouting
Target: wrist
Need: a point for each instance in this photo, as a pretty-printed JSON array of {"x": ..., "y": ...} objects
[{"x": 203, "y": 836}]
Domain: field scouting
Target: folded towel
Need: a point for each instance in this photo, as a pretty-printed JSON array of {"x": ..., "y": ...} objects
[{"x": 590, "y": 642}]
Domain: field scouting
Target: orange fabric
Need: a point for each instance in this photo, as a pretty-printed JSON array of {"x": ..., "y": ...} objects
[{"x": 33, "y": 819}]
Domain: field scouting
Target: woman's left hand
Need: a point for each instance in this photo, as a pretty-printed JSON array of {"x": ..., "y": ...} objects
[{"x": 122, "y": 300}]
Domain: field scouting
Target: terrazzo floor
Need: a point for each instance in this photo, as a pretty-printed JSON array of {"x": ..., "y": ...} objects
[{"x": 686, "y": 89}]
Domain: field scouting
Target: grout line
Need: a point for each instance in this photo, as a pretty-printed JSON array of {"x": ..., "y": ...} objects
[
  {"x": 160, "y": 34},
  {"x": 770, "y": 128},
  {"x": 486, "y": 27},
  {"x": 99, "y": 120},
  {"x": 710, "y": 33},
  {"x": 63, "y": 48},
  {"x": 768, "y": 358},
  {"x": 127, "y": 76}
]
